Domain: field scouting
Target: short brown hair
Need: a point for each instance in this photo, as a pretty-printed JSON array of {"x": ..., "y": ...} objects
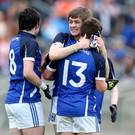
[
  {"x": 81, "y": 12},
  {"x": 91, "y": 26}
]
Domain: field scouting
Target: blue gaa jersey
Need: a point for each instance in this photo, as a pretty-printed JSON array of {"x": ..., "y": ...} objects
[
  {"x": 100, "y": 96},
  {"x": 76, "y": 78},
  {"x": 23, "y": 47}
]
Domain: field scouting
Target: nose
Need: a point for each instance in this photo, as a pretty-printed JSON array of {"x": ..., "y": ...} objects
[{"x": 73, "y": 24}]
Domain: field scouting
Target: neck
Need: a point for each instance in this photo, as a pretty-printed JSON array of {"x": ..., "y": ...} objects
[
  {"x": 30, "y": 31},
  {"x": 77, "y": 37}
]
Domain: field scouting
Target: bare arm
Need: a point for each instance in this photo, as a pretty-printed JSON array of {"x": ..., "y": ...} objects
[
  {"x": 29, "y": 74},
  {"x": 101, "y": 85},
  {"x": 48, "y": 75},
  {"x": 57, "y": 51},
  {"x": 114, "y": 95}
]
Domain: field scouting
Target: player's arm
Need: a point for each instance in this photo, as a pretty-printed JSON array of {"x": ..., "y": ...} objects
[
  {"x": 29, "y": 73},
  {"x": 28, "y": 52},
  {"x": 114, "y": 94},
  {"x": 101, "y": 85},
  {"x": 50, "y": 70},
  {"x": 103, "y": 51},
  {"x": 58, "y": 51},
  {"x": 100, "y": 79}
]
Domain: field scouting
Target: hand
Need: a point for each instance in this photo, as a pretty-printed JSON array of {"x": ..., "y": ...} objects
[
  {"x": 45, "y": 89},
  {"x": 83, "y": 43},
  {"x": 47, "y": 92},
  {"x": 113, "y": 109},
  {"x": 111, "y": 84},
  {"x": 101, "y": 46}
]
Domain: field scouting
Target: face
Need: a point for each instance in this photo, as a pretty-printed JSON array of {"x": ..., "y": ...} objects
[{"x": 74, "y": 26}]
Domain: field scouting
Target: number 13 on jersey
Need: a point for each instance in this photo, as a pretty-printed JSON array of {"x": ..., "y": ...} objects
[{"x": 79, "y": 73}]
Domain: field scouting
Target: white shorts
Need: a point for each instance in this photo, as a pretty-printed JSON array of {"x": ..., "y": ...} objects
[
  {"x": 25, "y": 115},
  {"x": 86, "y": 124},
  {"x": 53, "y": 112}
]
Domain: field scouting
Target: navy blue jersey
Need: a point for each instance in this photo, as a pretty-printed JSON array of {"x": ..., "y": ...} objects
[
  {"x": 23, "y": 47},
  {"x": 100, "y": 96},
  {"x": 76, "y": 80}
]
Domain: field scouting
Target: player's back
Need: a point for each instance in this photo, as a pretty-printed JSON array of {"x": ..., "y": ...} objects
[
  {"x": 21, "y": 90},
  {"x": 77, "y": 74}
]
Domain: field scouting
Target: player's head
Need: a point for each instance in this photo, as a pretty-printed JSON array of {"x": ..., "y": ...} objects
[
  {"x": 91, "y": 26},
  {"x": 28, "y": 19},
  {"x": 76, "y": 17}
]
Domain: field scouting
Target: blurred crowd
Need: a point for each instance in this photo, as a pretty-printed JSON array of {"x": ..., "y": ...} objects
[{"x": 116, "y": 16}]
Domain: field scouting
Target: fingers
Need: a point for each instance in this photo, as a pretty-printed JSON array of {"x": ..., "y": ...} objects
[{"x": 47, "y": 94}]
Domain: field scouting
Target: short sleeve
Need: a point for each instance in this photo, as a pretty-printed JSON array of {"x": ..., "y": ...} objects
[
  {"x": 100, "y": 66},
  {"x": 29, "y": 49},
  {"x": 52, "y": 66},
  {"x": 60, "y": 37},
  {"x": 111, "y": 72}
]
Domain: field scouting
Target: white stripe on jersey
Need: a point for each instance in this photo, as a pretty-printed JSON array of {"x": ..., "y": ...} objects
[
  {"x": 50, "y": 69},
  {"x": 21, "y": 97},
  {"x": 100, "y": 78},
  {"x": 33, "y": 92},
  {"x": 29, "y": 58},
  {"x": 86, "y": 107}
]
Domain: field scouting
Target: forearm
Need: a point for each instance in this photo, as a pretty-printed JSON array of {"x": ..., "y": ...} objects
[
  {"x": 114, "y": 95},
  {"x": 107, "y": 68},
  {"x": 33, "y": 78},
  {"x": 58, "y": 52}
]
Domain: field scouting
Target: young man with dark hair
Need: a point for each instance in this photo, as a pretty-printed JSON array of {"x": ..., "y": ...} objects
[
  {"x": 62, "y": 52},
  {"x": 79, "y": 75},
  {"x": 23, "y": 100}
]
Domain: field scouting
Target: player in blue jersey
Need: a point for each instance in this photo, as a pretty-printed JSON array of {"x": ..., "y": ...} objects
[
  {"x": 23, "y": 100},
  {"x": 114, "y": 97},
  {"x": 84, "y": 13},
  {"x": 69, "y": 49},
  {"x": 78, "y": 78}
]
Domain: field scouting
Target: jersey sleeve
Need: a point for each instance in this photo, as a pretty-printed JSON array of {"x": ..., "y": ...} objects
[
  {"x": 100, "y": 66},
  {"x": 111, "y": 72},
  {"x": 60, "y": 37},
  {"x": 50, "y": 65},
  {"x": 29, "y": 49}
]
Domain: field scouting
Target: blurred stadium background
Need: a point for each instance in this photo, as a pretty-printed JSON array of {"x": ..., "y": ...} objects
[{"x": 118, "y": 20}]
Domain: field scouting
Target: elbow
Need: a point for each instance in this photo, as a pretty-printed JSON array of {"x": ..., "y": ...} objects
[
  {"x": 27, "y": 75},
  {"x": 52, "y": 56},
  {"x": 101, "y": 88},
  {"x": 47, "y": 77}
]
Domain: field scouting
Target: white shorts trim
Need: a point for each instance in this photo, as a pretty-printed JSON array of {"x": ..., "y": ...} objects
[
  {"x": 53, "y": 112},
  {"x": 25, "y": 115},
  {"x": 86, "y": 124}
]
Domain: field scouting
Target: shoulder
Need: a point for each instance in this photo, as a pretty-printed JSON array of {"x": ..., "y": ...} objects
[
  {"x": 96, "y": 54},
  {"x": 61, "y": 37}
]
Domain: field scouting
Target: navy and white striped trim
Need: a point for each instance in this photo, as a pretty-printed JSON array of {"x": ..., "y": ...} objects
[{"x": 34, "y": 114}]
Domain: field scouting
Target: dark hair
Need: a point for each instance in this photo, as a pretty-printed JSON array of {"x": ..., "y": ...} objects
[
  {"x": 81, "y": 12},
  {"x": 28, "y": 19},
  {"x": 91, "y": 26}
]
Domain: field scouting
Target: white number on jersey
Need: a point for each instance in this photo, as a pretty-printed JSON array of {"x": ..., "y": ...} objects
[
  {"x": 78, "y": 73},
  {"x": 12, "y": 62}
]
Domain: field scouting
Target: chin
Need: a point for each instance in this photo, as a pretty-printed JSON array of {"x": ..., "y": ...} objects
[{"x": 74, "y": 34}]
